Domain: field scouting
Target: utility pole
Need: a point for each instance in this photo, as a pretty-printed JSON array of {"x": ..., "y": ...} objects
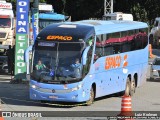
[{"x": 108, "y": 7}]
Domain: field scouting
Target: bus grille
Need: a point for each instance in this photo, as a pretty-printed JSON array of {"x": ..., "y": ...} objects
[{"x": 2, "y": 35}]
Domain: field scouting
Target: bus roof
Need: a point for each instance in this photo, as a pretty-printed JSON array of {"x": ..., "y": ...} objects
[
  {"x": 110, "y": 26},
  {"x": 83, "y": 29},
  {"x": 66, "y": 29}
]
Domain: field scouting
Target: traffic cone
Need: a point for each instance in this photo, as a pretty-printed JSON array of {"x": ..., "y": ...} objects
[
  {"x": 1, "y": 118},
  {"x": 150, "y": 51},
  {"x": 126, "y": 108}
]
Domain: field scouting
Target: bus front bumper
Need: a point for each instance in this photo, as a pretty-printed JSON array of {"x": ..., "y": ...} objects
[{"x": 68, "y": 96}]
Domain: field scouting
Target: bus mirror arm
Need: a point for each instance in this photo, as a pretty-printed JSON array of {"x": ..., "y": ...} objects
[
  {"x": 84, "y": 56},
  {"x": 26, "y": 57}
]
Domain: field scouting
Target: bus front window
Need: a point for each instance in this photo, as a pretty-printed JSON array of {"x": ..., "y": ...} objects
[
  {"x": 61, "y": 62},
  {"x": 69, "y": 60}
]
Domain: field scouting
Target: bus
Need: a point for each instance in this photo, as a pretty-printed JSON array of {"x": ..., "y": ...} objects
[
  {"x": 113, "y": 57},
  {"x": 47, "y": 15}
]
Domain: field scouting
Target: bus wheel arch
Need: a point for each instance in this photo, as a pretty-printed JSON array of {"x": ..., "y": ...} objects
[
  {"x": 128, "y": 85},
  {"x": 133, "y": 84},
  {"x": 136, "y": 79},
  {"x": 92, "y": 94}
]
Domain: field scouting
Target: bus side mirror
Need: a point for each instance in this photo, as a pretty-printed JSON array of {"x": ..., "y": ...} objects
[
  {"x": 27, "y": 56},
  {"x": 84, "y": 56}
]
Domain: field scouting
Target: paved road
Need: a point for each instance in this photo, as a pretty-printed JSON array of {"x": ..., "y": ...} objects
[{"x": 15, "y": 97}]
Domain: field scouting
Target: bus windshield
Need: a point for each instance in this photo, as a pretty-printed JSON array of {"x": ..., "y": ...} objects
[{"x": 60, "y": 62}]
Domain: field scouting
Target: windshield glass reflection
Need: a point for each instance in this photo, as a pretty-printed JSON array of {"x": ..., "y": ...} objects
[{"x": 57, "y": 62}]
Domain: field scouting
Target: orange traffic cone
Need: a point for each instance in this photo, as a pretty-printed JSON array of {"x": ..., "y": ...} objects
[
  {"x": 126, "y": 108},
  {"x": 150, "y": 51},
  {"x": 1, "y": 118}
]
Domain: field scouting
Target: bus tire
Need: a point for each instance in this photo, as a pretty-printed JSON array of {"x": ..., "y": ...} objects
[
  {"x": 127, "y": 89},
  {"x": 132, "y": 87},
  {"x": 91, "y": 97},
  {"x": 43, "y": 101}
]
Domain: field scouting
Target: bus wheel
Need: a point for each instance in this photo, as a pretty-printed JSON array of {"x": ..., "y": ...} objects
[
  {"x": 91, "y": 98},
  {"x": 132, "y": 87},
  {"x": 127, "y": 90}
]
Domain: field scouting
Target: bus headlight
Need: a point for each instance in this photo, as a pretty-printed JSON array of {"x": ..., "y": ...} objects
[
  {"x": 77, "y": 87},
  {"x": 154, "y": 70},
  {"x": 34, "y": 86}
]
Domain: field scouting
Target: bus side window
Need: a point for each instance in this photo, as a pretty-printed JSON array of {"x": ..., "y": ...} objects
[
  {"x": 126, "y": 46},
  {"x": 117, "y": 49},
  {"x": 86, "y": 67},
  {"x": 138, "y": 40},
  {"x": 108, "y": 50},
  {"x": 131, "y": 39},
  {"x": 116, "y": 42},
  {"x": 107, "y": 47},
  {"x": 98, "y": 49},
  {"x": 144, "y": 33}
]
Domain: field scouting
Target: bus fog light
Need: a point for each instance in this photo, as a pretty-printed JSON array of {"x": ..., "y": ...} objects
[
  {"x": 74, "y": 89},
  {"x": 78, "y": 87}
]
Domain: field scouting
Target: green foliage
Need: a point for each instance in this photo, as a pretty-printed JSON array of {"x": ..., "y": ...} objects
[
  {"x": 142, "y": 10},
  {"x": 42, "y": 1},
  {"x": 139, "y": 13}
]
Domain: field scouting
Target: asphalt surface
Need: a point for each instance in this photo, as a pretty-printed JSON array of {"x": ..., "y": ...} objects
[{"x": 15, "y": 97}]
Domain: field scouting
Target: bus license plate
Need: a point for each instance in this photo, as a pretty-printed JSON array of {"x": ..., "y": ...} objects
[{"x": 53, "y": 97}]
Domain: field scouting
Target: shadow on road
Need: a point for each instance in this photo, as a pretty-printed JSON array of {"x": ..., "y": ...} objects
[
  {"x": 18, "y": 94},
  {"x": 153, "y": 80}
]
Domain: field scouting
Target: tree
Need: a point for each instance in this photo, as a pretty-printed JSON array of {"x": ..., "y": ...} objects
[{"x": 142, "y": 10}]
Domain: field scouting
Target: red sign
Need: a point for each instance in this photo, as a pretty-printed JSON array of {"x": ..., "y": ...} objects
[
  {"x": 4, "y": 16},
  {"x": 6, "y": 5}
]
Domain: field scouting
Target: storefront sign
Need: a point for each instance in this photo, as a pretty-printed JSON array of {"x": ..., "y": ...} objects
[{"x": 21, "y": 37}]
